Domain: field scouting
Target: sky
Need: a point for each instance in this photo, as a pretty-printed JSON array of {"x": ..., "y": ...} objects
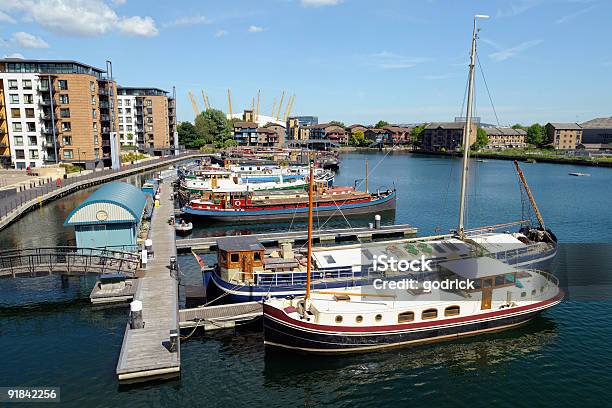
[{"x": 357, "y": 61}]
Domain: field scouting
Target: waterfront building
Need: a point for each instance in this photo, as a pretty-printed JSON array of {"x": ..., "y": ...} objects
[
  {"x": 351, "y": 130},
  {"x": 293, "y": 129},
  {"x": 281, "y": 133},
  {"x": 564, "y": 136},
  {"x": 505, "y": 138},
  {"x": 245, "y": 133},
  {"x": 597, "y": 134},
  {"x": 110, "y": 217},
  {"x": 398, "y": 134},
  {"x": 445, "y": 136},
  {"x": 327, "y": 131},
  {"x": 377, "y": 135},
  {"x": 5, "y": 147},
  {"x": 147, "y": 120},
  {"x": 59, "y": 111},
  {"x": 307, "y": 120},
  {"x": 267, "y": 137}
]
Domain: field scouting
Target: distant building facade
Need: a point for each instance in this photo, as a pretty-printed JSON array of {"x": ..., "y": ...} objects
[
  {"x": 564, "y": 136},
  {"x": 445, "y": 136},
  {"x": 307, "y": 120},
  {"x": 505, "y": 138},
  {"x": 245, "y": 133}
]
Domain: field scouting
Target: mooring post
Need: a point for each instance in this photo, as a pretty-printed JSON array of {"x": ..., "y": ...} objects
[
  {"x": 136, "y": 315},
  {"x": 377, "y": 221}
]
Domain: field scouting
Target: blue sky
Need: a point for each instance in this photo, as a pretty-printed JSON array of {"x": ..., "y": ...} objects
[{"x": 352, "y": 60}]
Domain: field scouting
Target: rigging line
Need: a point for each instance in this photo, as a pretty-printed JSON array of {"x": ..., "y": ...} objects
[{"x": 488, "y": 92}]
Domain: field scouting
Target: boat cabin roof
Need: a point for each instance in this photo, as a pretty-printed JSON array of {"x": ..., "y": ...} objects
[
  {"x": 497, "y": 242},
  {"x": 239, "y": 243},
  {"x": 337, "y": 258},
  {"x": 474, "y": 268}
]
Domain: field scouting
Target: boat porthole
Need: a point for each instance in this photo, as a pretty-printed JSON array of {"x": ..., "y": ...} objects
[
  {"x": 523, "y": 294},
  {"x": 359, "y": 319},
  {"x": 378, "y": 317},
  {"x": 338, "y": 319}
]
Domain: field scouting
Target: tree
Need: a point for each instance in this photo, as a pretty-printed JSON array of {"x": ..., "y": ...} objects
[
  {"x": 536, "y": 135},
  {"x": 517, "y": 126},
  {"x": 481, "y": 139},
  {"x": 358, "y": 139},
  {"x": 188, "y": 136},
  {"x": 213, "y": 127},
  {"x": 337, "y": 123},
  {"x": 416, "y": 134},
  {"x": 381, "y": 124}
]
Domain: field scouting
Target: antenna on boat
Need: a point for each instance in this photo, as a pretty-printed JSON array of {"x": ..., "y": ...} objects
[
  {"x": 467, "y": 130},
  {"x": 366, "y": 176},
  {"x": 308, "y": 259},
  {"x": 531, "y": 199}
]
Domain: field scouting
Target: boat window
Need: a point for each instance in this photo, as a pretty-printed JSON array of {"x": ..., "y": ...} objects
[
  {"x": 340, "y": 297},
  {"x": 476, "y": 283},
  {"x": 500, "y": 280},
  {"x": 329, "y": 259},
  {"x": 429, "y": 314},
  {"x": 234, "y": 257},
  {"x": 378, "y": 317},
  {"x": 338, "y": 319},
  {"x": 509, "y": 278},
  {"x": 405, "y": 317},
  {"x": 359, "y": 319},
  {"x": 533, "y": 292},
  {"x": 452, "y": 311},
  {"x": 487, "y": 283},
  {"x": 523, "y": 294},
  {"x": 257, "y": 256}
]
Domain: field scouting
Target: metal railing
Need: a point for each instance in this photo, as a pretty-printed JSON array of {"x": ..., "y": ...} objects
[
  {"x": 63, "y": 259},
  {"x": 38, "y": 189}
]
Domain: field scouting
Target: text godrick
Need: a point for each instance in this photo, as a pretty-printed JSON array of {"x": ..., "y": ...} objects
[{"x": 426, "y": 285}]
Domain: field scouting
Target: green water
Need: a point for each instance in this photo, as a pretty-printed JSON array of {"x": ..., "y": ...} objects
[{"x": 50, "y": 335}]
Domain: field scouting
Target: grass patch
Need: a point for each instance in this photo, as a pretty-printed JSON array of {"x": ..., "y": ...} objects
[{"x": 130, "y": 157}]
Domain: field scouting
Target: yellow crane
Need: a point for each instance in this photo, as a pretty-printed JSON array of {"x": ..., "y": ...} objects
[
  {"x": 193, "y": 104},
  {"x": 289, "y": 107},
  {"x": 280, "y": 106},
  {"x": 205, "y": 99},
  {"x": 229, "y": 102},
  {"x": 274, "y": 107}
]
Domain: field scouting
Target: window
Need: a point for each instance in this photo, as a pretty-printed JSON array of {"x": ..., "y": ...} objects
[
  {"x": 150, "y": 111},
  {"x": 128, "y": 119},
  {"x": 405, "y": 317},
  {"x": 127, "y": 102},
  {"x": 66, "y": 127},
  {"x": 28, "y": 98},
  {"x": 329, "y": 259},
  {"x": 338, "y": 319},
  {"x": 44, "y": 85},
  {"x": 149, "y": 119},
  {"x": 129, "y": 128},
  {"x": 26, "y": 84},
  {"x": 17, "y": 127},
  {"x": 359, "y": 319},
  {"x": 33, "y": 154},
  {"x": 92, "y": 86},
  {"x": 150, "y": 128},
  {"x": 94, "y": 113},
  {"x": 452, "y": 311},
  {"x": 429, "y": 314},
  {"x": 523, "y": 294},
  {"x": 12, "y": 84},
  {"x": 29, "y": 112},
  {"x": 31, "y": 126},
  {"x": 65, "y": 112},
  {"x": 95, "y": 127},
  {"x": 93, "y": 100},
  {"x": 64, "y": 99},
  {"x": 19, "y": 154},
  {"x": 120, "y": 110},
  {"x": 533, "y": 292},
  {"x": 121, "y": 128},
  {"x": 14, "y": 98},
  {"x": 500, "y": 280},
  {"x": 18, "y": 140},
  {"x": 128, "y": 111},
  {"x": 15, "y": 112},
  {"x": 148, "y": 102},
  {"x": 256, "y": 255},
  {"x": 378, "y": 317},
  {"x": 67, "y": 140},
  {"x": 32, "y": 140},
  {"x": 234, "y": 258},
  {"x": 62, "y": 84},
  {"x": 119, "y": 102},
  {"x": 67, "y": 154},
  {"x": 120, "y": 119}
]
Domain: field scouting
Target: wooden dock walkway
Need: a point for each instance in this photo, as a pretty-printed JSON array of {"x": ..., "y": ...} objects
[
  {"x": 221, "y": 316},
  {"x": 385, "y": 231},
  {"x": 145, "y": 353}
]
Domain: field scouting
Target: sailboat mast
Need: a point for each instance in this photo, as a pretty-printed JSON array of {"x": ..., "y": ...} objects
[
  {"x": 467, "y": 131},
  {"x": 308, "y": 259}
]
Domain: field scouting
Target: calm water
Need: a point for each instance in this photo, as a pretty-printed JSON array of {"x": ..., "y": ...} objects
[{"x": 50, "y": 335}]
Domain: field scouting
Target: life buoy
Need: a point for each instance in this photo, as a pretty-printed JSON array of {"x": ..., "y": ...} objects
[
  {"x": 268, "y": 171},
  {"x": 237, "y": 203}
]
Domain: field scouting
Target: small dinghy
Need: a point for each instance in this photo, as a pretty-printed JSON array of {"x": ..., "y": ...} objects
[
  {"x": 183, "y": 227},
  {"x": 579, "y": 174}
]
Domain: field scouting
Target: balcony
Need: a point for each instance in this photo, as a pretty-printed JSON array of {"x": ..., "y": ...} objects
[
  {"x": 49, "y": 131},
  {"x": 104, "y": 105},
  {"x": 105, "y": 130},
  {"x": 105, "y": 143},
  {"x": 105, "y": 118},
  {"x": 104, "y": 91}
]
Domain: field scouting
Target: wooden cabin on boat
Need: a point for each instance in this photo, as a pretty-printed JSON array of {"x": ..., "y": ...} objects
[{"x": 238, "y": 258}]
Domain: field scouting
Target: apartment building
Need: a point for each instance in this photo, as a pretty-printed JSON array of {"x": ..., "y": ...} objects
[
  {"x": 59, "y": 111},
  {"x": 564, "y": 136},
  {"x": 5, "y": 147},
  {"x": 505, "y": 138},
  {"x": 147, "y": 120},
  {"x": 445, "y": 136}
]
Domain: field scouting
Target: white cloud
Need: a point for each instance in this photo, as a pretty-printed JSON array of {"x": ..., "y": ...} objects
[
  {"x": 80, "y": 17},
  {"x": 511, "y": 52},
  {"x": 569, "y": 17},
  {"x": 139, "y": 26},
  {"x": 21, "y": 39},
  {"x": 5, "y": 18},
  {"x": 188, "y": 20},
  {"x": 119, "y": 2},
  {"x": 14, "y": 55},
  {"x": 320, "y": 3},
  {"x": 255, "y": 29},
  {"x": 517, "y": 8},
  {"x": 221, "y": 33},
  {"x": 389, "y": 60}
]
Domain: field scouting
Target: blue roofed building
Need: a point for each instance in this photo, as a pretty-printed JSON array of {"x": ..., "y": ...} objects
[{"x": 110, "y": 217}]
